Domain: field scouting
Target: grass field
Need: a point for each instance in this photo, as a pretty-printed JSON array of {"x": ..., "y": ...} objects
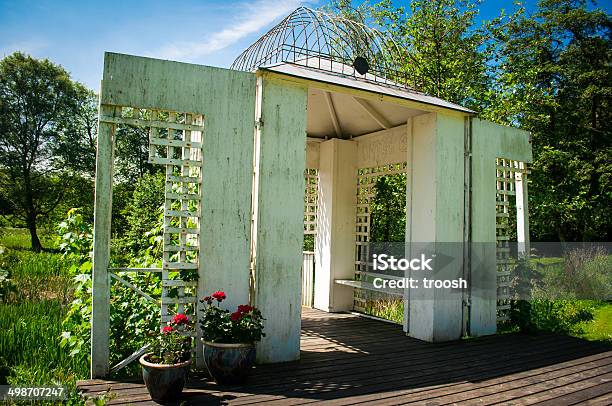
[
  {"x": 19, "y": 238},
  {"x": 31, "y": 316}
]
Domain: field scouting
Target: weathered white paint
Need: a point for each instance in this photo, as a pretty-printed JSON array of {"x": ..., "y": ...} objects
[
  {"x": 332, "y": 114},
  {"x": 312, "y": 154},
  {"x": 382, "y": 147},
  {"x": 522, "y": 213},
  {"x": 376, "y": 116},
  {"x": 227, "y": 100},
  {"x": 103, "y": 207},
  {"x": 335, "y": 241},
  {"x": 489, "y": 141},
  {"x": 436, "y": 219},
  {"x": 280, "y": 207},
  {"x": 308, "y": 279}
]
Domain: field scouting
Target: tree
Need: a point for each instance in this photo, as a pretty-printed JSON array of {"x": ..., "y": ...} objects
[
  {"x": 444, "y": 51},
  {"x": 555, "y": 80},
  {"x": 548, "y": 72},
  {"x": 388, "y": 209},
  {"x": 37, "y": 100},
  {"x": 76, "y": 142}
]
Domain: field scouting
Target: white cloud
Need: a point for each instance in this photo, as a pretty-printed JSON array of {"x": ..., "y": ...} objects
[{"x": 253, "y": 17}]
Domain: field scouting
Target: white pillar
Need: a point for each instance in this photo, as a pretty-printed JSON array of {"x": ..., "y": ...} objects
[
  {"x": 103, "y": 207},
  {"x": 279, "y": 210},
  {"x": 522, "y": 213},
  {"x": 335, "y": 242},
  {"x": 435, "y": 218}
]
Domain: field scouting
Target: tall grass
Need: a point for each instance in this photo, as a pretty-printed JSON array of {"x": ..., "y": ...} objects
[
  {"x": 29, "y": 345},
  {"x": 31, "y": 316},
  {"x": 389, "y": 308},
  {"x": 38, "y": 276}
]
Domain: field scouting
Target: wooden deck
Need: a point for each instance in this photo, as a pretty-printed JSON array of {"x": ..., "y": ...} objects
[{"x": 352, "y": 360}]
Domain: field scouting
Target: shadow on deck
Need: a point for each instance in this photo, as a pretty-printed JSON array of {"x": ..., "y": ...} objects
[{"x": 346, "y": 359}]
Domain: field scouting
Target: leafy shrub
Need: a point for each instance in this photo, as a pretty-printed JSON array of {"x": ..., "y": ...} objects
[
  {"x": 133, "y": 319},
  {"x": 141, "y": 214},
  {"x": 555, "y": 316},
  {"x": 587, "y": 274},
  {"x": 561, "y": 295}
]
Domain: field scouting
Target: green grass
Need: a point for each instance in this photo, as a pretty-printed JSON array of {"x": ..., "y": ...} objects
[
  {"x": 38, "y": 276},
  {"x": 19, "y": 238},
  {"x": 32, "y": 314},
  {"x": 29, "y": 345},
  {"x": 599, "y": 329},
  {"x": 386, "y": 308}
]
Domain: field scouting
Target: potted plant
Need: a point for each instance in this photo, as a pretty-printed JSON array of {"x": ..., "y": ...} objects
[
  {"x": 229, "y": 339},
  {"x": 165, "y": 366}
]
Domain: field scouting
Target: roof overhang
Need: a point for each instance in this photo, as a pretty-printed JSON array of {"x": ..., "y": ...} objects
[{"x": 351, "y": 82}]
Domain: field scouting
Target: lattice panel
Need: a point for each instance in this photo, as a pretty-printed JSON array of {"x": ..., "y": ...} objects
[
  {"x": 311, "y": 177},
  {"x": 175, "y": 141},
  {"x": 366, "y": 191},
  {"x": 506, "y": 187}
]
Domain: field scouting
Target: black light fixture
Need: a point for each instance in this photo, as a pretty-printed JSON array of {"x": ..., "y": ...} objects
[{"x": 361, "y": 65}]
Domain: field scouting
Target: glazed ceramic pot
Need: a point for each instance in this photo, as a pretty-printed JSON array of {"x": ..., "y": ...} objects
[
  {"x": 229, "y": 364},
  {"x": 164, "y": 382}
]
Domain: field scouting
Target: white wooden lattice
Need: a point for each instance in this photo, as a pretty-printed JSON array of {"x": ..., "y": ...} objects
[
  {"x": 311, "y": 177},
  {"x": 506, "y": 179},
  {"x": 366, "y": 190},
  {"x": 175, "y": 141},
  {"x": 177, "y": 144}
]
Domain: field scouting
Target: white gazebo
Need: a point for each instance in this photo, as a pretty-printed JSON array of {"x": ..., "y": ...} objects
[{"x": 315, "y": 95}]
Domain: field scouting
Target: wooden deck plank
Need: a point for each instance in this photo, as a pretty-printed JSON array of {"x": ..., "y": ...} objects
[
  {"x": 390, "y": 376},
  {"x": 351, "y": 360},
  {"x": 604, "y": 400},
  {"x": 459, "y": 391}
]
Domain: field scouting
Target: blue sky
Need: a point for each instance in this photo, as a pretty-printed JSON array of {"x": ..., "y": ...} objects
[{"x": 75, "y": 34}]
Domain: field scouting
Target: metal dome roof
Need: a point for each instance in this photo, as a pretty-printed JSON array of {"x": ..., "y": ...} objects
[{"x": 327, "y": 42}]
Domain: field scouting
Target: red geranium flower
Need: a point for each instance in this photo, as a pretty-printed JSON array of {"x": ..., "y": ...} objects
[
  {"x": 235, "y": 316},
  {"x": 179, "y": 319},
  {"x": 245, "y": 308},
  {"x": 219, "y": 295},
  {"x": 167, "y": 329},
  {"x": 208, "y": 299}
]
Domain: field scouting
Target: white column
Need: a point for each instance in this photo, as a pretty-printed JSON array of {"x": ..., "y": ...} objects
[
  {"x": 103, "y": 207},
  {"x": 436, "y": 222},
  {"x": 281, "y": 159},
  {"x": 522, "y": 213},
  {"x": 335, "y": 242}
]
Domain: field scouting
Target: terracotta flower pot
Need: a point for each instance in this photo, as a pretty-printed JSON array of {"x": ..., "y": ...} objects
[
  {"x": 164, "y": 382},
  {"x": 229, "y": 364}
]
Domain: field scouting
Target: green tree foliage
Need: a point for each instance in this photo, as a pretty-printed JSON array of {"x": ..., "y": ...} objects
[
  {"x": 548, "y": 72},
  {"x": 555, "y": 80},
  {"x": 443, "y": 52},
  {"x": 76, "y": 144},
  {"x": 142, "y": 214},
  {"x": 388, "y": 209},
  {"x": 38, "y": 103}
]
